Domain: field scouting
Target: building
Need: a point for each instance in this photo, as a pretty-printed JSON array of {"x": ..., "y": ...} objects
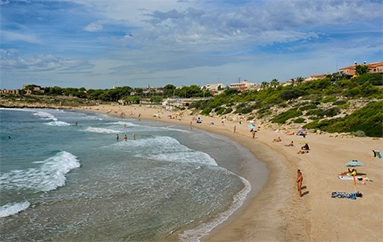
[
  {"x": 35, "y": 88},
  {"x": 315, "y": 77},
  {"x": 214, "y": 87},
  {"x": 375, "y": 67},
  {"x": 245, "y": 85},
  {"x": 14, "y": 91}
]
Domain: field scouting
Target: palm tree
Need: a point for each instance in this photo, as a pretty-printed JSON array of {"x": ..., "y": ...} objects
[
  {"x": 264, "y": 85},
  {"x": 274, "y": 83},
  {"x": 300, "y": 79}
]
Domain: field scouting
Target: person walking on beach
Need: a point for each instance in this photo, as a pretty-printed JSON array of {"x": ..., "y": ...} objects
[
  {"x": 191, "y": 125},
  {"x": 299, "y": 182},
  {"x": 253, "y": 132},
  {"x": 235, "y": 128}
]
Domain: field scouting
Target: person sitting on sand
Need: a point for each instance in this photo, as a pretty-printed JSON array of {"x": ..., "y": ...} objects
[
  {"x": 348, "y": 172},
  {"x": 277, "y": 139},
  {"x": 291, "y": 144},
  {"x": 305, "y": 147},
  {"x": 303, "y": 152}
]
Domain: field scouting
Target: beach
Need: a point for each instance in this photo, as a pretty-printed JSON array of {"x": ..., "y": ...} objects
[{"x": 277, "y": 212}]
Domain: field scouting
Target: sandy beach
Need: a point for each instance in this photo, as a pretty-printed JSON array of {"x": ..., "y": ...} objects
[{"x": 278, "y": 213}]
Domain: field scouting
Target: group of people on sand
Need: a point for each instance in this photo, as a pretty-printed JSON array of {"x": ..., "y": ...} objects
[{"x": 305, "y": 149}]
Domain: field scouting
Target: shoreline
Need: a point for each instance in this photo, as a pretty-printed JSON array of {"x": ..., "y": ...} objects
[
  {"x": 277, "y": 213},
  {"x": 258, "y": 198}
]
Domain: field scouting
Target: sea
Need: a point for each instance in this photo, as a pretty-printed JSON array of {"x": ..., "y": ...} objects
[{"x": 64, "y": 176}]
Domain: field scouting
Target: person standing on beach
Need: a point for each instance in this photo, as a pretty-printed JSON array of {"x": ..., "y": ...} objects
[
  {"x": 299, "y": 182},
  {"x": 191, "y": 125},
  {"x": 235, "y": 128},
  {"x": 253, "y": 132}
]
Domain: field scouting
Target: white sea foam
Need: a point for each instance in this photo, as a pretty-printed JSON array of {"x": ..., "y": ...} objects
[
  {"x": 13, "y": 208},
  {"x": 187, "y": 157},
  {"x": 49, "y": 176},
  {"x": 58, "y": 123},
  {"x": 45, "y": 115},
  {"x": 101, "y": 130},
  {"x": 166, "y": 148},
  {"x": 194, "y": 235},
  {"x": 122, "y": 123}
]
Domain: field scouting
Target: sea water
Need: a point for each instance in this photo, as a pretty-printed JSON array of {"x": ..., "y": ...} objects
[{"x": 65, "y": 177}]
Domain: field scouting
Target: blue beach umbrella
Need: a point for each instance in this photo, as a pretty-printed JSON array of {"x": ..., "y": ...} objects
[
  {"x": 251, "y": 126},
  {"x": 354, "y": 163}
]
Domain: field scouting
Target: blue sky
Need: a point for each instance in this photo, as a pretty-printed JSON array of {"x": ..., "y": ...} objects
[{"x": 105, "y": 43}]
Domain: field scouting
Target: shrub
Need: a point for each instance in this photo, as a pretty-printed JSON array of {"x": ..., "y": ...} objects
[
  {"x": 299, "y": 120},
  {"x": 330, "y": 112},
  {"x": 292, "y": 93},
  {"x": 281, "y": 118},
  {"x": 340, "y": 102},
  {"x": 359, "y": 133},
  {"x": 328, "y": 99},
  {"x": 308, "y": 107},
  {"x": 244, "y": 110},
  {"x": 227, "y": 110},
  {"x": 206, "y": 111}
]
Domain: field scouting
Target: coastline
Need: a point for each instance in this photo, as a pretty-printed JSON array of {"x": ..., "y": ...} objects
[{"x": 277, "y": 213}]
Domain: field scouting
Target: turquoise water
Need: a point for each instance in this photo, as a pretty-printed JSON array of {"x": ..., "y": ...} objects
[{"x": 64, "y": 181}]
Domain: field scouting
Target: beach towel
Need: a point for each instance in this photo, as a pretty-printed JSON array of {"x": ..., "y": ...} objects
[
  {"x": 377, "y": 154},
  {"x": 351, "y": 178},
  {"x": 343, "y": 195},
  {"x": 346, "y": 195}
]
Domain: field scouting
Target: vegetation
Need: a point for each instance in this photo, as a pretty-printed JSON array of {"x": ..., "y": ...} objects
[
  {"x": 331, "y": 104},
  {"x": 368, "y": 119}
]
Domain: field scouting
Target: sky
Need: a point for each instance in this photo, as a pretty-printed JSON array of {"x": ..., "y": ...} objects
[{"x": 98, "y": 44}]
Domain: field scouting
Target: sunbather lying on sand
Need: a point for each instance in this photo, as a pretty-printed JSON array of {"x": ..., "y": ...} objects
[
  {"x": 351, "y": 172},
  {"x": 277, "y": 139},
  {"x": 303, "y": 152},
  {"x": 291, "y": 144}
]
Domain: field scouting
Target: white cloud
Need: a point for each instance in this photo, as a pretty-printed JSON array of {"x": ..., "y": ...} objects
[
  {"x": 14, "y": 36},
  {"x": 93, "y": 27}
]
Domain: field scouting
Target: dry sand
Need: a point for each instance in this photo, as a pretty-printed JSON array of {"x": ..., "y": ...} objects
[{"x": 277, "y": 213}]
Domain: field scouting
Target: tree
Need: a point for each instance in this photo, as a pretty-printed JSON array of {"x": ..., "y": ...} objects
[
  {"x": 300, "y": 80},
  {"x": 139, "y": 91},
  {"x": 169, "y": 90},
  {"x": 274, "y": 83},
  {"x": 361, "y": 69},
  {"x": 264, "y": 84}
]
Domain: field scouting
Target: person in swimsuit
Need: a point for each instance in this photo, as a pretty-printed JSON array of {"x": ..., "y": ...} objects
[{"x": 299, "y": 182}]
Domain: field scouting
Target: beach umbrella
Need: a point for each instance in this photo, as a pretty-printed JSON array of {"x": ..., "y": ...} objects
[
  {"x": 354, "y": 163},
  {"x": 251, "y": 126}
]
